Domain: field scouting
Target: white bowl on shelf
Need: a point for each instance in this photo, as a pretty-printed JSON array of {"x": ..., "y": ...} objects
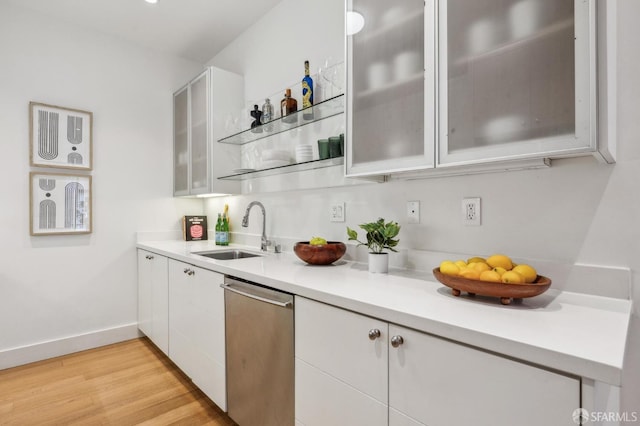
[{"x": 275, "y": 154}]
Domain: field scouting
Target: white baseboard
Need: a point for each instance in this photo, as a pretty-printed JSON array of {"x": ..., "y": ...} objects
[{"x": 50, "y": 349}]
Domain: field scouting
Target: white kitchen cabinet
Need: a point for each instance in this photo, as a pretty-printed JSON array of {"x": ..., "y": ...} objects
[
  {"x": 153, "y": 298},
  {"x": 503, "y": 80},
  {"x": 196, "y": 327},
  {"x": 390, "y": 87},
  {"x": 342, "y": 374},
  {"x": 517, "y": 79},
  {"x": 439, "y": 382},
  {"x": 200, "y": 109}
]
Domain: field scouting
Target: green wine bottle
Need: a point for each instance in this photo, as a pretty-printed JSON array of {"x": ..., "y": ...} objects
[
  {"x": 224, "y": 232},
  {"x": 218, "y": 229}
]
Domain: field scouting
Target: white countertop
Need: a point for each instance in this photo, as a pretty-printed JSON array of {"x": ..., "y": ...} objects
[{"x": 571, "y": 332}]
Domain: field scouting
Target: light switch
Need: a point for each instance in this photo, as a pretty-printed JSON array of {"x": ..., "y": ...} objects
[{"x": 336, "y": 212}]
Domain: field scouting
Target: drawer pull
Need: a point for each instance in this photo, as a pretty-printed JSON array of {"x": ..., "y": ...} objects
[
  {"x": 396, "y": 341},
  {"x": 374, "y": 333}
]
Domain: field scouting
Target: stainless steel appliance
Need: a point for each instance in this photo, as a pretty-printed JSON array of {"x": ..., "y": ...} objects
[{"x": 260, "y": 354}]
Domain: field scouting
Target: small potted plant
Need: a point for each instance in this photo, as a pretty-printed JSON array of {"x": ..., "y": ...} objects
[{"x": 380, "y": 237}]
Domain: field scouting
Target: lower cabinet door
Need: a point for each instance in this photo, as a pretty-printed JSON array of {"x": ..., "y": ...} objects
[
  {"x": 196, "y": 328},
  {"x": 323, "y": 400},
  {"x": 439, "y": 382}
]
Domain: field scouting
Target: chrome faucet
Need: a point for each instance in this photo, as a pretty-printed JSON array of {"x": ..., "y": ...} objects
[{"x": 264, "y": 243}]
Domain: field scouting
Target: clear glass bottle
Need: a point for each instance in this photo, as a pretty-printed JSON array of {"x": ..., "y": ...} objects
[
  {"x": 267, "y": 114},
  {"x": 288, "y": 107}
]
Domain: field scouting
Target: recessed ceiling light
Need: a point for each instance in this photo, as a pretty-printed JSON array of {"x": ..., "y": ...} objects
[{"x": 151, "y": 1}]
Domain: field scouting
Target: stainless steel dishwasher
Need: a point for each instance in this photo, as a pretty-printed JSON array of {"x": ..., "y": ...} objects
[{"x": 260, "y": 354}]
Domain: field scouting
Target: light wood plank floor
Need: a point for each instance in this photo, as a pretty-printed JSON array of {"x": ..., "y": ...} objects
[{"x": 128, "y": 383}]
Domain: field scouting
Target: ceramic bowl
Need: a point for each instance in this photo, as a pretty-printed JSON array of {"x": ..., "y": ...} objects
[{"x": 324, "y": 254}]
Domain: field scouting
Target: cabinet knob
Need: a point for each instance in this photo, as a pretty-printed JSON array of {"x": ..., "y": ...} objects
[
  {"x": 149, "y": 257},
  {"x": 189, "y": 271},
  {"x": 374, "y": 333},
  {"x": 186, "y": 270},
  {"x": 396, "y": 341}
]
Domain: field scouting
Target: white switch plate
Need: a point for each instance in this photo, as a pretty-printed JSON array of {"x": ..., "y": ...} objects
[
  {"x": 413, "y": 211},
  {"x": 471, "y": 211},
  {"x": 336, "y": 212}
]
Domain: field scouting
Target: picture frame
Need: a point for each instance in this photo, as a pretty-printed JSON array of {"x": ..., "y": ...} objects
[
  {"x": 60, "y": 204},
  {"x": 60, "y": 137}
]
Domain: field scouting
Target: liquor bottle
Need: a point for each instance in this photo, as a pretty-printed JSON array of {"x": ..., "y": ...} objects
[
  {"x": 224, "y": 232},
  {"x": 307, "y": 93},
  {"x": 218, "y": 229},
  {"x": 256, "y": 114},
  {"x": 267, "y": 114},
  {"x": 288, "y": 107}
]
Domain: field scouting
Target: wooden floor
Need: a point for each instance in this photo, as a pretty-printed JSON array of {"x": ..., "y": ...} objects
[{"x": 129, "y": 383}]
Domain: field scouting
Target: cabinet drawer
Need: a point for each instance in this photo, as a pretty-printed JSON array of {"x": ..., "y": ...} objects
[
  {"x": 323, "y": 400},
  {"x": 337, "y": 342}
]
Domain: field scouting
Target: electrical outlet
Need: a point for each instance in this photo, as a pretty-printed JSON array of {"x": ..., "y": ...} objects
[
  {"x": 336, "y": 212},
  {"x": 471, "y": 211},
  {"x": 413, "y": 211}
]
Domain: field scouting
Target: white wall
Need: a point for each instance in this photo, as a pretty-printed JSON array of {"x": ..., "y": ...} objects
[
  {"x": 578, "y": 211},
  {"x": 56, "y": 287}
]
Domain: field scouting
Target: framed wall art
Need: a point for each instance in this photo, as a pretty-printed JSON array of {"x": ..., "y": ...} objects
[
  {"x": 59, "y": 204},
  {"x": 60, "y": 137}
]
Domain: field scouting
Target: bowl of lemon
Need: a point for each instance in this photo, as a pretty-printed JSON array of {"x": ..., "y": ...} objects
[
  {"x": 496, "y": 276},
  {"x": 318, "y": 251}
]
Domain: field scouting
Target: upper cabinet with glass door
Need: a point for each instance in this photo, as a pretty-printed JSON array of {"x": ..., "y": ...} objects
[
  {"x": 389, "y": 91},
  {"x": 516, "y": 79},
  {"x": 199, "y": 109}
]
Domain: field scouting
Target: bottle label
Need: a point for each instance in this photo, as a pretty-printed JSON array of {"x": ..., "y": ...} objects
[{"x": 224, "y": 238}]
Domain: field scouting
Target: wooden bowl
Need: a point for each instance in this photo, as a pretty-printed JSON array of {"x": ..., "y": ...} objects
[
  {"x": 324, "y": 254},
  {"x": 506, "y": 292}
]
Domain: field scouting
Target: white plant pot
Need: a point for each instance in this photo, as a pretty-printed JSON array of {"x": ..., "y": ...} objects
[{"x": 379, "y": 263}]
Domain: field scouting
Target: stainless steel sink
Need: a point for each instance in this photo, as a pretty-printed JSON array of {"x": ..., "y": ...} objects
[{"x": 227, "y": 254}]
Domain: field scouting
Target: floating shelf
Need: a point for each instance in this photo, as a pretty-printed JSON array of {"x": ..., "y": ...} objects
[
  {"x": 325, "y": 109},
  {"x": 290, "y": 168}
]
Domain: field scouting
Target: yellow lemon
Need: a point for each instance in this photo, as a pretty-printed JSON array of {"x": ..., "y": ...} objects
[
  {"x": 528, "y": 272},
  {"x": 511, "y": 277},
  {"x": 490, "y": 276},
  {"x": 499, "y": 270},
  {"x": 476, "y": 259},
  {"x": 449, "y": 268},
  {"x": 480, "y": 266},
  {"x": 460, "y": 263},
  {"x": 500, "y": 260},
  {"x": 470, "y": 273}
]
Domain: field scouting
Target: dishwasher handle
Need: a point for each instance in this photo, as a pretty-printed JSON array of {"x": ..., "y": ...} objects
[{"x": 250, "y": 295}]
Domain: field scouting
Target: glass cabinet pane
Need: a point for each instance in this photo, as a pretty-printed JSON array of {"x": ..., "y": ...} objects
[
  {"x": 181, "y": 142},
  {"x": 510, "y": 79},
  {"x": 509, "y": 82},
  {"x": 386, "y": 62},
  {"x": 199, "y": 132}
]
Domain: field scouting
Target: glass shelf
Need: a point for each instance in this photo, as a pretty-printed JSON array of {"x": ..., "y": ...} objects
[
  {"x": 290, "y": 168},
  {"x": 325, "y": 109}
]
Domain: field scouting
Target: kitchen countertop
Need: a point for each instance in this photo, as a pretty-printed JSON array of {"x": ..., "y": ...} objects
[{"x": 576, "y": 333}]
